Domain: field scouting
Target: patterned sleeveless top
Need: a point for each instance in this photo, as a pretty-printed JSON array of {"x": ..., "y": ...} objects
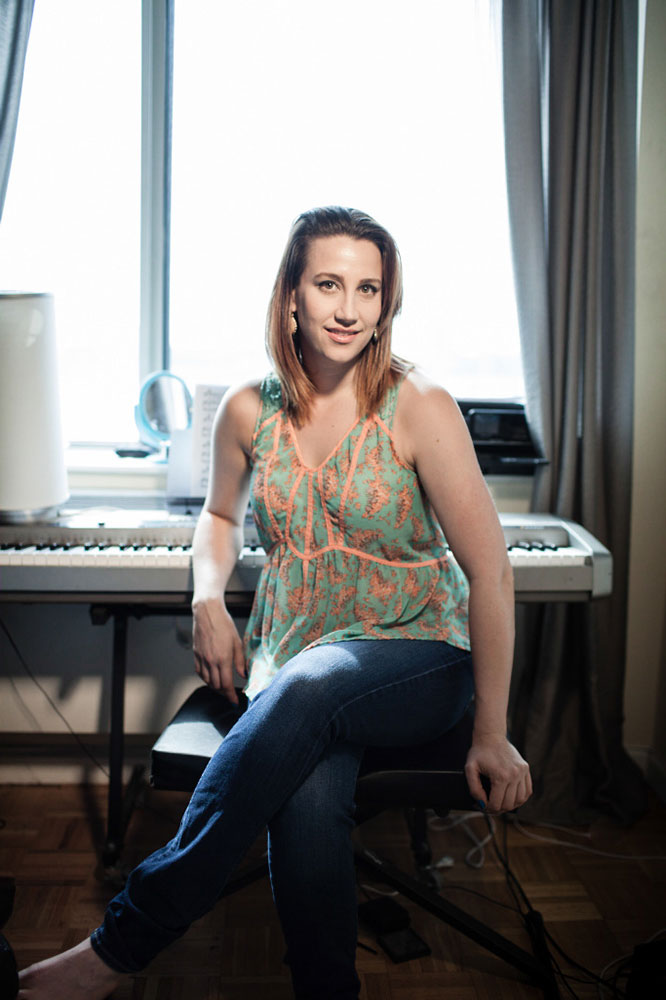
[{"x": 353, "y": 548}]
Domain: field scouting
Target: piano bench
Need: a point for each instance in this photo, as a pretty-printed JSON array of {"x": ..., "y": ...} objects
[{"x": 427, "y": 776}]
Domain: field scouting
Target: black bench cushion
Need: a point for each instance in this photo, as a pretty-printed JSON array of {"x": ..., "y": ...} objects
[{"x": 430, "y": 775}]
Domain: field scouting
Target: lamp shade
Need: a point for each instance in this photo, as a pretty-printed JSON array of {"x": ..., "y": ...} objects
[{"x": 33, "y": 478}]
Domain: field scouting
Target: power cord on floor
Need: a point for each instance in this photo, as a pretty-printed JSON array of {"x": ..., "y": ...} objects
[
  {"x": 635, "y": 965},
  {"x": 53, "y": 705},
  {"x": 580, "y": 847},
  {"x": 543, "y": 943},
  {"x": 476, "y": 856},
  {"x": 162, "y": 814},
  {"x": 606, "y": 986},
  {"x": 629, "y": 965}
]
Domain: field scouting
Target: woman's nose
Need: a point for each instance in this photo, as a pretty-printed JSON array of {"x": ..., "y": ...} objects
[{"x": 346, "y": 310}]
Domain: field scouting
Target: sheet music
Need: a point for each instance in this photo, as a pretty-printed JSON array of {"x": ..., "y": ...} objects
[{"x": 206, "y": 401}]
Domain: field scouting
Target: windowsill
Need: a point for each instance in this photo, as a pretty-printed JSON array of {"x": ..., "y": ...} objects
[
  {"x": 98, "y": 468},
  {"x": 96, "y": 471}
]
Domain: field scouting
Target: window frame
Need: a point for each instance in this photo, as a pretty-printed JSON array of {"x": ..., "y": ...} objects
[
  {"x": 157, "y": 24},
  {"x": 157, "y": 56},
  {"x": 156, "y": 118}
]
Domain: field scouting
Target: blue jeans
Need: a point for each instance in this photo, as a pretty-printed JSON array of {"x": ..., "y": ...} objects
[{"x": 290, "y": 763}]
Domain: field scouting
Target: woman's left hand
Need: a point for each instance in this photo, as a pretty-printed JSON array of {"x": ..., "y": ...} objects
[{"x": 508, "y": 773}]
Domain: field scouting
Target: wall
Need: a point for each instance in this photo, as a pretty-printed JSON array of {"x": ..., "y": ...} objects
[{"x": 645, "y": 691}]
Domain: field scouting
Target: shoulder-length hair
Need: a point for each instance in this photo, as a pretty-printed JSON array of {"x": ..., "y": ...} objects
[{"x": 378, "y": 368}]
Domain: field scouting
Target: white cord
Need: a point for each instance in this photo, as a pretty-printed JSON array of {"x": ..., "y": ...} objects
[
  {"x": 476, "y": 856},
  {"x": 582, "y": 847},
  {"x": 566, "y": 829},
  {"x": 379, "y": 892}
]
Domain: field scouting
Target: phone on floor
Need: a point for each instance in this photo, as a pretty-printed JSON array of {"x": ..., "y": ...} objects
[{"x": 403, "y": 945}]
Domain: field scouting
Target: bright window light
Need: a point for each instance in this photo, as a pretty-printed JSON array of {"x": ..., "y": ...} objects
[
  {"x": 389, "y": 107},
  {"x": 71, "y": 221},
  {"x": 278, "y": 106}
]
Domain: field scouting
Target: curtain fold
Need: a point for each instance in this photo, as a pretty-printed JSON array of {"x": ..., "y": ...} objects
[
  {"x": 570, "y": 104},
  {"x": 15, "y": 21}
]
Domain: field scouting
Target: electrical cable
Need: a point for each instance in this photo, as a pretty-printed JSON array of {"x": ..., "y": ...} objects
[
  {"x": 624, "y": 962},
  {"x": 592, "y": 977},
  {"x": 521, "y": 903},
  {"x": 458, "y": 886},
  {"x": 476, "y": 856},
  {"x": 53, "y": 705},
  {"x": 582, "y": 847}
]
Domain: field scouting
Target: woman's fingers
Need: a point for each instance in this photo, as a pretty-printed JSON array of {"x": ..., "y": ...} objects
[
  {"x": 218, "y": 650},
  {"x": 509, "y": 775},
  {"x": 217, "y": 675},
  {"x": 476, "y": 789}
]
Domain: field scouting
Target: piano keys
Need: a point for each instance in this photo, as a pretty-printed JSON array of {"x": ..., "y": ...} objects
[{"x": 98, "y": 553}]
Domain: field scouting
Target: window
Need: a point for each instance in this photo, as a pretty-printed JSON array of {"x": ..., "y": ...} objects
[
  {"x": 389, "y": 107},
  {"x": 71, "y": 222},
  {"x": 277, "y": 106}
]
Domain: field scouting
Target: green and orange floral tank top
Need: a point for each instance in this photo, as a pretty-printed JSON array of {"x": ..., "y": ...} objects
[{"x": 353, "y": 548}]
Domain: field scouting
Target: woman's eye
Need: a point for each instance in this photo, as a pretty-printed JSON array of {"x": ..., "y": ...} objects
[
  {"x": 327, "y": 285},
  {"x": 369, "y": 289}
]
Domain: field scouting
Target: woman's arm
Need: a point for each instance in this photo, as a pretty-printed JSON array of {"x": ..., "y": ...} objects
[
  {"x": 218, "y": 538},
  {"x": 438, "y": 444}
]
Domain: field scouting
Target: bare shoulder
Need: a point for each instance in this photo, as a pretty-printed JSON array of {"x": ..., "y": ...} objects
[
  {"x": 238, "y": 412},
  {"x": 425, "y": 410},
  {"x": 419, "y": 393}
]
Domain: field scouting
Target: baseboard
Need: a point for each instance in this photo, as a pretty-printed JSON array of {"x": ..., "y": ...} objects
[{"x": 54, "y": 759}]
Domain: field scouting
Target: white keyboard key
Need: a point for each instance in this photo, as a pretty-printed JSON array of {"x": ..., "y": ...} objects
[
  {"x": 180, "y": 556},
  {"x": 10, "y": 557},
  {"x": 47, "y": 557},
  {"x": 111, "y": 556},
  {"x": 28, "y": 555},
  {"x": 75, "y": 555},
  {"x": 137, "y": 556},
  {"x": 159, "y": 556}
]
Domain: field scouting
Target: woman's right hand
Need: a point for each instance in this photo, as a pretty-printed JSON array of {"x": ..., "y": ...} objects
[{"x": 218, "y": 650}]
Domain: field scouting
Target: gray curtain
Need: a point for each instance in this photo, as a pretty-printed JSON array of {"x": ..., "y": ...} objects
[
  {"x": 15, "y": 20},
  {"x": 570, "y": 95}
]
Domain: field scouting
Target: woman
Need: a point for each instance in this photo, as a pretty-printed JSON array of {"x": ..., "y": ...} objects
[{"x": 362, "y": 624}]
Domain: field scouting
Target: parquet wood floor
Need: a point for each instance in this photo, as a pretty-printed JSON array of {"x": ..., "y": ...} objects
[{"x": 596, "y": 908}]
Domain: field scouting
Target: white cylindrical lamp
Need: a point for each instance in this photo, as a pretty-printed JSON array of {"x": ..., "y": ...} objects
[{"x": 33, "y": 477}]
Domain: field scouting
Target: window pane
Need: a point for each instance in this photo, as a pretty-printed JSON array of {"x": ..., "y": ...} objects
[
  {"x": 71, "y": 222},
  {"x": 391, "y": 108}
]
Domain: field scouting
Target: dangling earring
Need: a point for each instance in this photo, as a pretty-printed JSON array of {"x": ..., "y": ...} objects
[
  {"x": 295, "y": 338},
  {"x": 375, "y": 337}
]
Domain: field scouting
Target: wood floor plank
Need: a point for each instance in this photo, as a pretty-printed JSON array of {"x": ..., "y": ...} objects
[{"x": 596, "y": 908}]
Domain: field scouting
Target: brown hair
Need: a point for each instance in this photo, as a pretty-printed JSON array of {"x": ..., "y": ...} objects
[{"x": 378, "y": 368}]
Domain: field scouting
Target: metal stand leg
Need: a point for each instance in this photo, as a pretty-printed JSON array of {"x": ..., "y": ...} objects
[
  {"x": 120, "y": 804},
  {"x": 538, "y": 971},
  {"x": 418, "y": 831},
  {"x": 115, "y": 828}
]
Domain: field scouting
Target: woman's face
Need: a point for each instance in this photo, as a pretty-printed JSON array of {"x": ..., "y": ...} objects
[{"x": 338, "y": 299}]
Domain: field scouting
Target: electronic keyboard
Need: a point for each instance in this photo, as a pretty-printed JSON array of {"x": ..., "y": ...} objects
[{"x": 105, "y": 551}]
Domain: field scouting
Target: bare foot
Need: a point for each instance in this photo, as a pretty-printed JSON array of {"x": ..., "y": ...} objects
[{"x": 77, "y": 974}]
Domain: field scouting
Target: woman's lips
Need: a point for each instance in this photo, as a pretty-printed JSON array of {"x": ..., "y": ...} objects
[{"x": 341, "y": 336}]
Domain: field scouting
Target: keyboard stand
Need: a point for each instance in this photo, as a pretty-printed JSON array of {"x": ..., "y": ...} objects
[
  {"x": 119, "y": 804},
  {"x": 121, "y": 801}
]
